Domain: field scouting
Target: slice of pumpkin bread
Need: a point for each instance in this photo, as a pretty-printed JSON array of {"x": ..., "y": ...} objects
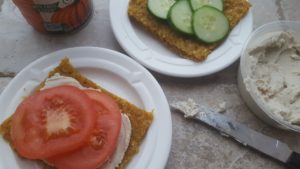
[
  {"x": 139, "y": 118},
  {"x": 187, "y": 47}
]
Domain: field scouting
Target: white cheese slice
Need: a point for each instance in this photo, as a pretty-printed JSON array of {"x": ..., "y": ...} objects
[
  {"x": 123, "y": 143},
  {"x": 58, "y": 80}
]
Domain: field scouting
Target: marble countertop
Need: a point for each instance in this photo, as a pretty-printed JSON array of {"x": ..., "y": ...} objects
[{"x": 194, "y": 145}]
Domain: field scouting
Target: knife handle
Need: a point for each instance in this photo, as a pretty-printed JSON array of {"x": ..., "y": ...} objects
[{"x": 294, "y": 161}]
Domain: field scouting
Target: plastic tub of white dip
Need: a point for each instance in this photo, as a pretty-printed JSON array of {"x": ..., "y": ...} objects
[{"x": 269, "y": 74}]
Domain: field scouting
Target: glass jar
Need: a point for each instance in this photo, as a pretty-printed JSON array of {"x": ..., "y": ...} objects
[{"x": 56, "y": 16}]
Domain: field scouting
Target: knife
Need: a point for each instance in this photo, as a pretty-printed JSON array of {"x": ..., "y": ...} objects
[{"x": 241, "y": 133}]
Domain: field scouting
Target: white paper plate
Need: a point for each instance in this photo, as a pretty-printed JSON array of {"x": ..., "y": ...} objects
[
  {"x": 112, "y": 70},
  {"x": 154, "y": 55}
]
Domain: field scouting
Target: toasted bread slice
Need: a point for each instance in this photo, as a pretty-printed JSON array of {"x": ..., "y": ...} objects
[
  {"x": 139, "y": 118},
  {"x": 187, "y": 47}
]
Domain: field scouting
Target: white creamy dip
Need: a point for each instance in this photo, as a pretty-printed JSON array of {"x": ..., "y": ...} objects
[{"x": 273, "y": 75}]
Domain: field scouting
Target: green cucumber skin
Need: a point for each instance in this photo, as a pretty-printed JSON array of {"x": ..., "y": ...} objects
[
  {"x": 157, "y": 17},
  {"x": 192, "y": 34},
  {"x": 189, "y": 34},
  {"x": 222, "y": 8},
  {"x": 179, "y": 31},
  {"x": 215, "y": 41}
]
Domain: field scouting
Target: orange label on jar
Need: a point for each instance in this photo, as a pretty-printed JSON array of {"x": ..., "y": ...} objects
[{"x": 55, "y": 16}]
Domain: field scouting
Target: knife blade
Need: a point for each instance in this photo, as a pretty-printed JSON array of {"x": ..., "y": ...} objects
[{"x": 240, "y": 132}]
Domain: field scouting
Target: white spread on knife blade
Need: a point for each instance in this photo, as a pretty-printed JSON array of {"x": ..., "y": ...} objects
[
  {"x": 125, "y": 132},
  {"x": 273, "y": 75},
  {"x": 190, "y": 108}
]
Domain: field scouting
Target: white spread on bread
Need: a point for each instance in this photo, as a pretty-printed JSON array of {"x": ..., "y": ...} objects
[
  {"x": 125, "y": 132},
  {"x": 123, "y": 143},
  {"x": 57, "y": 80}
]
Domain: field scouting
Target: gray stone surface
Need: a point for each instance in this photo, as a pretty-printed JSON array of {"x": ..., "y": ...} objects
[
  {"x": 197, "y": 146},
  {"x": 21, "y": 44},
  {"x": 3, "y": 82},
  {"x": 291, "y": 9},
  {"x": 265, "y": 11},
  {"x": 194, "y": 146}
]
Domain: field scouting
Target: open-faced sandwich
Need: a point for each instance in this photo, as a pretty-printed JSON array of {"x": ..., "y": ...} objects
[
  {"x": 69, "y": 122},
  {"x": 192, "y": 28}
]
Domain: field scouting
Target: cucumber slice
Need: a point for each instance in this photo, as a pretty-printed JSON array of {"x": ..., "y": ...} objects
[
  {"x": 209, "y": 24},
  {"x": 160, "y": 8},
  {"x": 180, "y": 17},
  {"x": 196, "y": 4}
]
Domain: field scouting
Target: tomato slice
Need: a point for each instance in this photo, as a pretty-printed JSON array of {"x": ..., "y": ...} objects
[
  {"x": 52, "y": 121},
  {"x": 102, "y": 143}
]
